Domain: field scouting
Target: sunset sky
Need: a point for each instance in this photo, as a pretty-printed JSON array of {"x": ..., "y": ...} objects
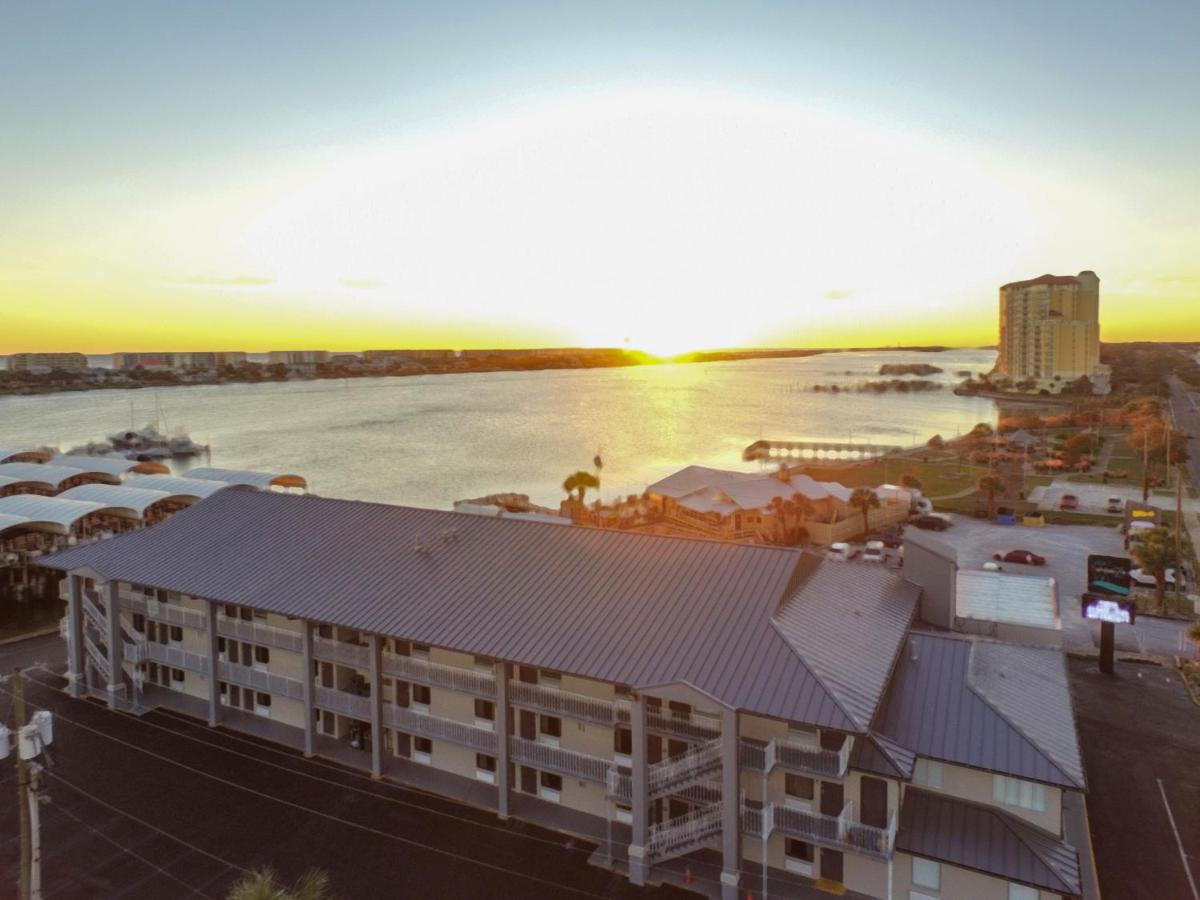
[{"x": 667, "y": 175}]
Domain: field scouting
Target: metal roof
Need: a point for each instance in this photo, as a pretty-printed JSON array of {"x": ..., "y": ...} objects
[
  {"x": 1009, "y": 598},
  {"x": 879, "y": 755},
  {"x": 108, "y": 465},
  {"x": 37, "y": 472},
  {"x": 926, "y": 541},
  {"x": 9, "y": 454},
  {"x": 986, "y": 839},
  {"x": 615, "y": 606},
  {"x": 847, "y": 621},
  {"x": 132, "y": 498},
  {"x": 998, "y": 707},
  {"x": 9, "y": 520},
  {"x": 260, "y": 480},
  {"x": 38, "y": 510},
  {"x": 179, "y": 487},
  {"x": 695, "y": 478},
  {"x": 705, "y": 488}
]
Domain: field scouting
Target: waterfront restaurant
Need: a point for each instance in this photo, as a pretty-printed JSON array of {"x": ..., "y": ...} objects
[{"x": 704, "y": 711}]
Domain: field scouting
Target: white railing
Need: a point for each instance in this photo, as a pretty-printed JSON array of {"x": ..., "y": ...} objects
[
  {"x": 695, "y": 726},
  {"x": 839, "y": 831},
  {"x": 354, "y": 655},
  {"x": 469, "y": 681},
  {"x": 620, "y": 785},
  {"x": 806, "y": 824},
  {"x": 413, "y": 722},
  {"x": 796, "y": 756},
  {"x": 868, "y": 838},
  {"x": 267, "y": 682},
  {"x": 683, "y": 834},
  {"x": 260, "y": 633},
  {"x": 99, "y": 658},
  {"x": 134, "y": 653},
  {"x": 684, "y": 769},
  {"x": 562, "y": 703},
  {"x": 556, "y": 759},
  {"x": 176, "y": 657},
  {"x": 166, "y": 612},
  {"x": 92, "y": 611},
  {"x": 343, "y": 702}
]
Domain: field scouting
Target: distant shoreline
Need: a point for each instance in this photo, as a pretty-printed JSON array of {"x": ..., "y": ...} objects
[{"x": 479, "y": 362}]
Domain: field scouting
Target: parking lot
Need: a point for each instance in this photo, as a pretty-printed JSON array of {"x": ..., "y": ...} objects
[
  {"x": 1066, "y": 548},
  {"x": 1093, "y": 498}
]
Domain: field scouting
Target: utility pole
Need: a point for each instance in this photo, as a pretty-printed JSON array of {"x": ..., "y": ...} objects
[
  {"x": 1178, "y": 532},
  {"x": 22, "y": 789}
]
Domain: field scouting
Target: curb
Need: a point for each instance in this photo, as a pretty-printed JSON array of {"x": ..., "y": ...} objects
[
  {"x": 1186, "y": 684},
  {"x": 29, "y": 635}
]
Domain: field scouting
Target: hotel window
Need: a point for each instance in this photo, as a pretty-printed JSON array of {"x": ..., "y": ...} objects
[
  {"x": 550, "y": 786},
  {"x": 623, "y": 746},
  {"x": 549, "y": 730},
  {"x": 230, "y": 611},
  {"x": 485, "y": 714},
  {"x": 420, "y": 651},
  {"x": 679, "y": 710},
  {"x": 139, "y": 623},
  {"x": 262, "y": 657},
  {"x": 485, "y": 768},
  {"x": 1021, "y": 892},
  {"x": 527, "y": 674},
  {"x": 624, "y": 814},
  {"x": 176, "y": 634},
  {"x": 262, "y": 704},
  {"x": 401, "y": 648},
  {"x": 799, "y": 790},
  {"x": 421, "y": 697},
  {"x": 422, "y": 750},
  {"x": 928, "y": 773},
  {"x": 550, "y": 679},
  {"x": 802, "y": 734},
  {"x": 177, "y": 675},
  {"x": 1019, "y": 793},
  {"x": 798, "y": 856},
  {"x": 926, "y": 873},
  {"x": 245, "y": 614}
]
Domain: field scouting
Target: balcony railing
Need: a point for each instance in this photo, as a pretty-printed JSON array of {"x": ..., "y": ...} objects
[
  {"x": 795, "y": 756},
  {"x": 684, "y": 834},
  {"x": 692, "y": 726},
  {"x": 410, "y": 668},
  {"x": 343, "y": 702},
  {"x": 260, "y": 633},
  {"x": 166, "y": 612},
  {"x": 413, "y": 722},
  {"x": 92, "y": 610},
  {"x": 680, "y": 771},
  {"x": 840, "y": 831},
  {"x": 354, "y": 655},
  {"x": 562, "y": 703},
  {"x": 556, "y": 759},
  {"x": 267, "y": 682},
  {"x": 176, "y": 657}
]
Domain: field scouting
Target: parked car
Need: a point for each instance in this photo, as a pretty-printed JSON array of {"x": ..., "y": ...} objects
[
  {"x": 1024, "y": 557},
  {"x": 873, "y": 552},
  {"x": 1146, "y": 579},
  {"x": 992, "y": 567},
  {"x": 890, "y": 537},
  {"x": 839, "y": 550},
  {"x": 1068, "y": 501},
  {"x": 932, "y": 522},
  {"x": 1115, "y": 505}
]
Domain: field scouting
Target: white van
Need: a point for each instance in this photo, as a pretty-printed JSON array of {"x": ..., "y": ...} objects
[{"x": 839, "y": 550}]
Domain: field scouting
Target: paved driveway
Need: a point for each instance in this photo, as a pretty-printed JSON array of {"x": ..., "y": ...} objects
[
  {"x": 1066, "y": 548},
  {"x": 1093, "y": 498}
]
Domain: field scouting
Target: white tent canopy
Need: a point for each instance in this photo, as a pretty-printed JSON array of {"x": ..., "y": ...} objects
[
  {"x": 194, "y": 488},
  {"x": 260, "y": 480},
  {"x": 108, "y": 465},
  {"x": 46, "y": 513},
  {"x": 35, "y": 472},
  {"x": 136, "y": 500}
]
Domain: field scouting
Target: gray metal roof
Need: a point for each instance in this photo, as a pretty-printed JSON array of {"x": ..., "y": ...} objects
[
  {"x": 927, "y": 541},
  {"x": 180, "y": 487},
  {"x": 847, "y": 621},
  {"x": 619, "y": 607},
  {"x": 108, "y": 465},
  {"x": 132, "y": 498},
  {"x": 882, "y": 756},
  {"x": 37, "y": 472},
  {"x": 986, "y": 839},
  {"x": 260, "y": 480},
  {"x": 1009, "y": 598},
  {"x": 998, "y": 707},
  {"x": 54, "y": 511}
]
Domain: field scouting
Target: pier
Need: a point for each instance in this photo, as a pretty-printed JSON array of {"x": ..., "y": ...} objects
[{"x": 790, "y": 450}]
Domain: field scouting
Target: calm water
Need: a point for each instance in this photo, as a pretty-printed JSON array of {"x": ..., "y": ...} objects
[{"x": 430, "y": 440}]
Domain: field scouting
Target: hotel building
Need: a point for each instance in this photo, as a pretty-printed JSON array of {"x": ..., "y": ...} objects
[
  {"x": 163, "y": 362},
  {"x": 1050, "y": 329},
  {"x": 41, "y": 363},
  {"x": 706, "y": 712}
]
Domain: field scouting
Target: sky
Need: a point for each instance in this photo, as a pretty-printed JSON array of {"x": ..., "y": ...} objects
[{"x": 666, "y": 176}]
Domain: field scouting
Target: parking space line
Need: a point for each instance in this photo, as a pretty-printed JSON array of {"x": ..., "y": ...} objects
[{"x": 1178, "y": 840}]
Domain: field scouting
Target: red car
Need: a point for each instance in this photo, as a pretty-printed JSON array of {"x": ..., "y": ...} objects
[
  {"x": 1024, "y": 557},
  {"x": 1068, "y": 501}
]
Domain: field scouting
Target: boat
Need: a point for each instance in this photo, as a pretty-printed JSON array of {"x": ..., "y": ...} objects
[
  {"x": 148, "y": 454},
  {"x": 183, "y": 445},
  {"x": 91, "y": 448},
  {"x": 137, "y": 440}
]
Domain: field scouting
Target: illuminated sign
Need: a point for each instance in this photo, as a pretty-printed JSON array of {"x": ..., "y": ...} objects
[
  {"x": 1108, "y": 609},
  {"x": 1109, "y": 575},
  {"x": 1143, "y": 513},
  {"x": 1140, "y": 512}
]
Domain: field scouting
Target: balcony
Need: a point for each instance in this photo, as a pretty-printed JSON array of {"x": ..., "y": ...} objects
[
  {"x": 267, "y": 682},
  {"x": 684, "y": 770},
  {"x": 795, "y": 756},
  {"x": 562, "y": 703},
  {"x": 840, "y": 832},
  {"x": 413, "y": 668},
  {"x": 692, "y": 726},
  {"x": 410, "y": 721},
  {"x": 343, "y": 702},
  {"x": 170, "y": 613},
  {"x": 556, "y": 759},
  {"x": 356, "y": 656},
  {"x": 684, "y": 834},
  {"x": 260, "y": 633},
  {"x": 176, "y": 657}
]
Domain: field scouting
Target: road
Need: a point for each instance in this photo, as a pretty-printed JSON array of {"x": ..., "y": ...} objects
[
  {"x": 163, "y": 806},
  {"x": 1185, "y": 410}
]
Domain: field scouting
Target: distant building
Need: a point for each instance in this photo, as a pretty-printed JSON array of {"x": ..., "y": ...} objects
[
  {"x": 297, "y": 357},
  {"x": 1050, "y": 329},
  {"x": 396, "y": 356},
  {"x": 41, "y": 363},
  {"x": 175, "y": 361}
]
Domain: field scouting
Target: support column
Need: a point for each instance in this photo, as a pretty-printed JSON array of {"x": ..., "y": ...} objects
[
  {"x": 501, "y": 719},
  {"x": 640, "y": 782},
  {"x": 76, "y": 675},
  {"x": 731, "y": 824},
  {"x": 307, "y": 698},
  {"x": 375, "y": 645},
  {"x": 116, "y": 649},
  {"x": 212, "y": 641}
]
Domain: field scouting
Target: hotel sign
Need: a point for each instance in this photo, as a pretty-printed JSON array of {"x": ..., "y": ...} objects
[
  {"x": 1112, "y": 610},
  {"x": 1140, "y": 512},
  {"x": 1109, "y": 575}
]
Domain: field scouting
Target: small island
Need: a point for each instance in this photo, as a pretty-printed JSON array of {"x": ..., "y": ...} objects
[{"x": 908, "y": 369}]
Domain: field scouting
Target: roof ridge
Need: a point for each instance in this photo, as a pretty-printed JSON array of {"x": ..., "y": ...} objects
[
  {"x": 1008, "y": 721},
  {"x": 1016, "y": 826}
]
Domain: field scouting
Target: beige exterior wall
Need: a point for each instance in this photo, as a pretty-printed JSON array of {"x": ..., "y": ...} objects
[
  {"x": 956, "y": 883},
  {"x": 974, "y": 785},
  {"x": 865, "y": 875},
  {"x": 586, "y": 737},
  {"x": 589, "y": 687},
  {"x": 1049, "y": 331},
  {"x": 451, "y": 704},
  {"x": 584, "y": 796}
]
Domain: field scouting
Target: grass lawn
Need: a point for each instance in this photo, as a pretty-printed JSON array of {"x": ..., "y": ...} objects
[
  {"x": 938, "y": 479},
  {"x": 1177, "y": 606}
]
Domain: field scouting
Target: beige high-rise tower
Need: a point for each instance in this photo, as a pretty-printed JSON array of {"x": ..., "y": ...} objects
[{"x": 1050, "y": 329}]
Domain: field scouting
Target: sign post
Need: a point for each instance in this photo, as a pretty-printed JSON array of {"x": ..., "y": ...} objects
[{"x": 1107, "y": 602}]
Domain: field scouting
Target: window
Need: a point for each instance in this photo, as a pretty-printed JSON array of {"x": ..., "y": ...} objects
[
  {"x": 1020, "y": 793},
  {"x": 245, "y": 614},
  {"x": 624, "y": 814},
  {"x": 177, "y": 675},
  {"x": 928, "y": 773},
  {"x": 623, "y": 745},
  {"x": 230, "y": 611},
  {"x": 485, "y": 768},
  {"x": 422, "y": 750},
  {"x": 420, "y": 651},
  {"x": 550, "y": 679},
  {"x": 926, "y": 873},
  {"x": 550, "y": 786},
  {"x": 802, "y": 734},
  {"x": 1021, "y": 892},
  {"x": 262, "y": 699},
  {"x": 799, "y": 788},
  {"x": 262, "y": 656},
  {"x": 139, "y": 623},
  {"x": 550, "y": 730},
  {"x": 421, "y": 697},
  {"x": 679, "y": 710},
  {"x": 526, "y": 674},
  {"x": 485, "y": 714},
  {"x": 798, "y": 856}
]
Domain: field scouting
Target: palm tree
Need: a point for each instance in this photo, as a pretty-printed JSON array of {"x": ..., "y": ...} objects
[
  {"x": 1155, "y": 553},
  {"x": 910, "y": 481},
  {"x": 1193, "y": 634},
  {"x": 579, "y": 482},
  {"x": 263, "y": 884},
  {"x": 777, "y": 509},
  {"x": 991, "y": 485},
  {"x": 865, "y": 499},
  {"x": 804, "y": 511}
]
